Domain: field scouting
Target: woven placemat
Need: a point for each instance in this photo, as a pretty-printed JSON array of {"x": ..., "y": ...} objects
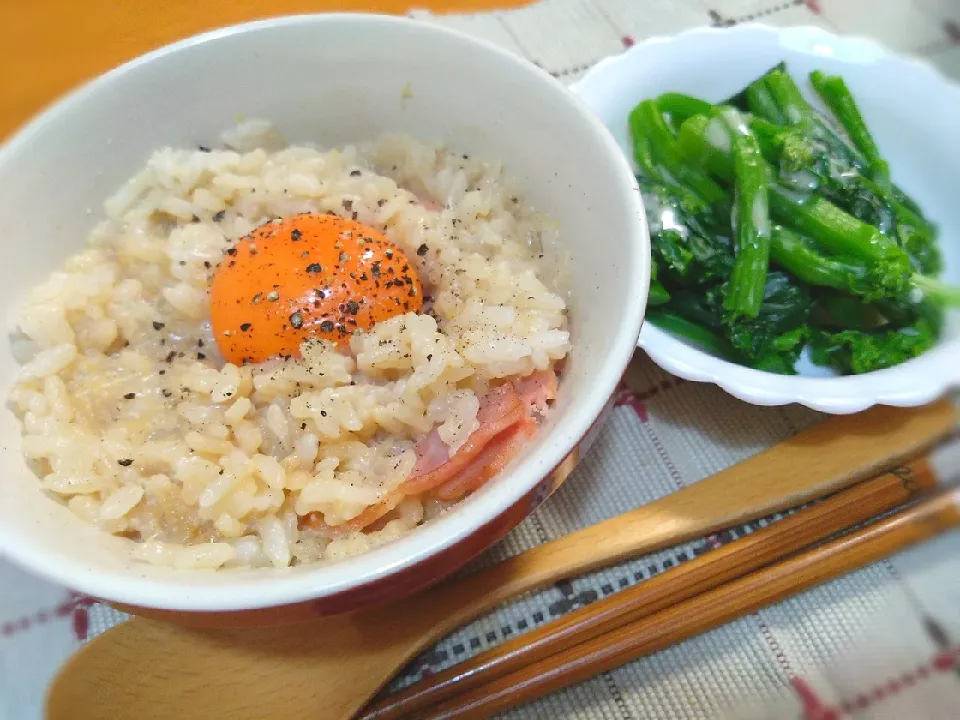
[{"x": 883, "y": 642}]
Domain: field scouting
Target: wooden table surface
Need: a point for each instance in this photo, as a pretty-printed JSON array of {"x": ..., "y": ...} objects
[{"x": 50, "y": 46}]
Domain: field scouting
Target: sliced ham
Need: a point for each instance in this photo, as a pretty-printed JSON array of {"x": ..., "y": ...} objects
[
  {"x": 500, "y": 409},
  {"x": 537, "y": 390},
  {"x": 505, "y": 425},
  {"x": 432, "y": 452},
  {"x": 370, "y": 515},
  {"x": 495, "y": 457}
]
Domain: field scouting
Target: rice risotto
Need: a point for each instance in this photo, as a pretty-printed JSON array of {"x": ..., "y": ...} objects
[{"x": 132, "y": 417}]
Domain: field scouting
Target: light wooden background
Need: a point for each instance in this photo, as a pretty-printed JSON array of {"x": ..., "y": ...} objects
[{"x": 50, "y": 46}]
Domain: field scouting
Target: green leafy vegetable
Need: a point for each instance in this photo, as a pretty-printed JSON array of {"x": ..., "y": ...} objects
[
  {"x": 784, "y": 310},
  {"x": 772, "y": 232},
  {"x": 690, "y": 245},
  {"x": 860, "y": 351}
]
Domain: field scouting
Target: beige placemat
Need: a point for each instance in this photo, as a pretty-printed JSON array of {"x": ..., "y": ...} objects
[{"x": 881, "y": 643}]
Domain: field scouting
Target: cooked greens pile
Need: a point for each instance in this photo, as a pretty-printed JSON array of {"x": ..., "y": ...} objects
[{"x": 773, "y": 230}]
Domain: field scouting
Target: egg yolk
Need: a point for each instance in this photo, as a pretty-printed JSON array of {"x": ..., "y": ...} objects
[{"x": 307, "y": 276}]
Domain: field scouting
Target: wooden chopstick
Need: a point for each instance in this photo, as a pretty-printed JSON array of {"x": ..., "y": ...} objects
[
  {"x": 913, "y": 524},
  {"x": 834, "y": 514}
]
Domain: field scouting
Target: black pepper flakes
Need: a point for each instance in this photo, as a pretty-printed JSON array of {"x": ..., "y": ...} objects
[
  {"x": 314, "y": 268},
  {"x": 375, "y": 269},
  {"x": 354, "y": 173},
  {"x": 206, "y": 264},
  {"x": 245, "y": 327},
  {"x": 347, "y": 205},
  {"x": 195, "y": 218},
  {"x": 422, "y": 250},
  {"x": 219, "y": 215},
  {"x": 296, "y": 320},
  {"x": 129, "y": 396},
  {"x": 323, "y": 413},
  {"x": 326, "y": 326},
  {"x": 170, "y": 356},
  {"x": 203, "y": 148},
  {"x": 295, "y": 235},
  {"x": 201, "y": 356},
  {"x": 167, "y": 393},
  {"x": 125, "y": 462},
  {"x": 157, "y": 325}
]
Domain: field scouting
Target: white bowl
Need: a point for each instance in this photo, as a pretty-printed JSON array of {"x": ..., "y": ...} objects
[
  {"x": 332, "y": 79},
  {"x": 914, "y": 113}
]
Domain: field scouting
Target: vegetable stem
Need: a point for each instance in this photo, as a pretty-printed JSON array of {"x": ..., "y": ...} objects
[
  {"x": 647, "y": 120},
  {"x": 762, "y": 103},
  {"x": 688, "y": 330},
  {"x": 793, "y": 106},
  {"x": 682, "y": 107},
  {"x": 835, "y": 93},
  {"x": 937, "y": 290},
  {"x": 834, "y": 229},
  {"x": 642, "y": 151},
  {"x": 798, "y": 255},
  {"x": 751, "y": 219}
]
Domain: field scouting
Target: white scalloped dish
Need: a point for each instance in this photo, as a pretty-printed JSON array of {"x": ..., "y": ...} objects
[{"x": 913, "y": 112}]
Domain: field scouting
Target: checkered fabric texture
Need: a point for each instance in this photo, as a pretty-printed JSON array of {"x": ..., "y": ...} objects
[{"x": 883, "y": 642}]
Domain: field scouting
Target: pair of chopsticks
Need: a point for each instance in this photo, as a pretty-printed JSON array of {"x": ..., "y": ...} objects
[{"x": 812, "y": 546}]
